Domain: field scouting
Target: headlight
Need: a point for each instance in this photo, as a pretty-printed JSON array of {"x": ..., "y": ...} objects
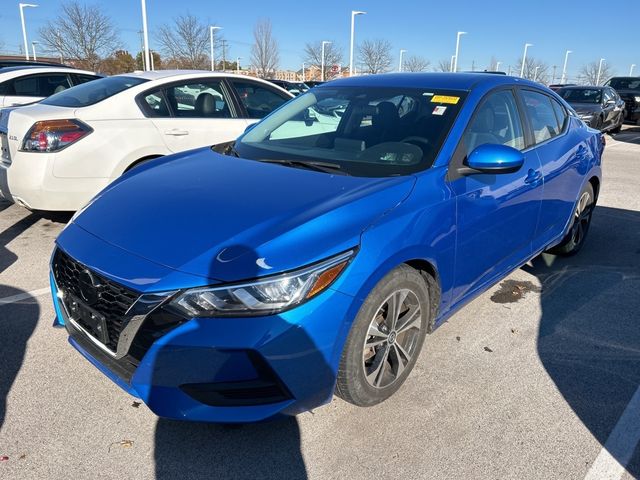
[
  {"x": 585, "y": 115},
  {"x": 265, "y": 296},
  {"x": 637, "y": 99}
]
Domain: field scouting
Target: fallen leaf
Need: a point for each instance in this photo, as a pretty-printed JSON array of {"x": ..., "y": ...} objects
[
  {"x": 458, "y": 338},
  {"x": 122, "y": 443},
  {"x": 22, "y": 456},
  {"x": 487, "y": 349},
  {"x": 513, "y": 330},
  {"x": 136, "y": 404},
  {"x": 3, "y": 458}
]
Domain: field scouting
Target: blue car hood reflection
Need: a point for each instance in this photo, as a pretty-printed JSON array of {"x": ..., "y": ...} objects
[{"x": 230, "y": 219}]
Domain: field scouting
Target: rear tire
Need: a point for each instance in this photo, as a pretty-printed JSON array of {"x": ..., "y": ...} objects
[
  {"x": 574, "y": 240},
  {"x": 385, "y": 339}
]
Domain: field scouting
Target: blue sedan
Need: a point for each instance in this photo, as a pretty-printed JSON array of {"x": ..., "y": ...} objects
[{"x": 316, "y": 253}]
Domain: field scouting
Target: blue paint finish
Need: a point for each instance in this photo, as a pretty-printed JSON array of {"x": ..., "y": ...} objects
[
  {"x": 199, "y": 218},
  {"x": 59, "y": 320},
  {"x": 495, "y": 158}
]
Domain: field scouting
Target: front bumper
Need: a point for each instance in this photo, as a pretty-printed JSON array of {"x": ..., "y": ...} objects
[{"x": 230, "y": 370}]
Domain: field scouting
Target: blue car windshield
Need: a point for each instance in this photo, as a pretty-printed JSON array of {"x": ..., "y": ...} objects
[{"x": 372, "y": 132}]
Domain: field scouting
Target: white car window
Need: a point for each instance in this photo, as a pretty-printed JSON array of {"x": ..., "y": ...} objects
[{"x": 202, "y": 99}]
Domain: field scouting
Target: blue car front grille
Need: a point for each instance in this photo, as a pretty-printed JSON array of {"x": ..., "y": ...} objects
[{"x": 112, "y": 300}]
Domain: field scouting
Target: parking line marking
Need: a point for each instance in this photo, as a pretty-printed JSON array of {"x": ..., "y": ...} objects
[
  {"x": 23, "y": 296},
  {"x": 611, "y": 462}
]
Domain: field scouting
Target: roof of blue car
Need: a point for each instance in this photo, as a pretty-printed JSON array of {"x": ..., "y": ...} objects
[{"x": 450, "y": 81}]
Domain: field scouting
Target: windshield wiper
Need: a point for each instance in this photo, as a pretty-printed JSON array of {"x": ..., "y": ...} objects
[{"x": 310, "y": 164}]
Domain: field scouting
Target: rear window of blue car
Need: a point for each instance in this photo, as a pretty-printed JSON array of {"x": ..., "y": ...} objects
[
  {"x": 364, "y": 131},
  {"x": 93, "y": 92}
]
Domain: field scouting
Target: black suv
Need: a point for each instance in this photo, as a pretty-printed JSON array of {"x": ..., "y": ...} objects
[{"x": 629, "y": 90}]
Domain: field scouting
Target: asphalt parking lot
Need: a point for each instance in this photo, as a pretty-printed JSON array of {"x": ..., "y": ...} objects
[{"x": 537, "y": 378}]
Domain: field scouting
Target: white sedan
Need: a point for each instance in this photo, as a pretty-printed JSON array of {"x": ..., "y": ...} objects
[
  {"x": 57, "y": 154},
  {"x": 28, "y": 84}
]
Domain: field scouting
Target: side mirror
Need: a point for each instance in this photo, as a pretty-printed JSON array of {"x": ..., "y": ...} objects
[
  {"x": 610, "y": 102},
  {"x": 492, "y": 158},
  {"x": 249, "y": 127}
]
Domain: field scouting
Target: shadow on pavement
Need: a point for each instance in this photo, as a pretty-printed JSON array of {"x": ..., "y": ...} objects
[
  {"x": 628, "y": 135},
  {"x": 17, "y": 323},
  {"x": 589, "y": 339},
  {"x": 194, "y": 450},
  {"x": 7, "y": 258}
]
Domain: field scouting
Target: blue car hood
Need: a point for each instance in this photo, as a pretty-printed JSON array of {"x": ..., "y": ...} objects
[{"x": 230, "y": 219}]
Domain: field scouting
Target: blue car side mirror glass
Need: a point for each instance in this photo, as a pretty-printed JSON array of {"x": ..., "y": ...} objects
[{"x": 490, "y": 158}]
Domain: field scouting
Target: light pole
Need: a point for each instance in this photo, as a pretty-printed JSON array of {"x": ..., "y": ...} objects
[
  {"x": 400, "y": 63},
  {"x": 453, "y": 57},
  {"x": 324, "y": 42},
  {"x": 498, "y": 66},
  {"x": 633, "y": 65},
  {"x": 33, "y": 49},
  {"x": 535, "y": 73},
  {"x": 145, "y": 33},
  {"x": 455, "y": 60},
  {"x": 213, "y": 61},
  {"x": 238, "y": 65},
  {"x": 303, "y": 77},
  {"x": 564, "y": 68},
  {"x": 153, "y": 67},
  {"x": 524, "y": 58},
  {"x": 599, "y": 71},
  {"x": 354, "y": 13},
  {"x": 24, "y": 29}
]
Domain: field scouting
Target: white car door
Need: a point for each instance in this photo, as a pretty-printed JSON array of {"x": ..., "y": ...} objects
[
  {"x": 32, "y": 88},
  {"x": 193, "y": 113}
]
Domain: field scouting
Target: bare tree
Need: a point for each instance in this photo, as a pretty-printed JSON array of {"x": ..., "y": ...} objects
[
  {"x": 534, "y": 69},
  {"x": 415, "y": 63},
  {"x": 589, "y": 73},
  {"x": 82, "y": 33},
  {"x": 332, "y": 56},
  {"x": 443, "y": 65},
  {"x": 185, "y": 44},
  {"x": 493, "y": 64},
  {"x": 265, "y": 52},
  {"x": 375, "y": 56}
]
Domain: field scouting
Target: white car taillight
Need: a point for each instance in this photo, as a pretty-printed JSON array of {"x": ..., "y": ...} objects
[{"x": 54, "y": 135}]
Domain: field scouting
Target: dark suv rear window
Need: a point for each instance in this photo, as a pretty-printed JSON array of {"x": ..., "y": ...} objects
[{"x": 93, "y": 92}]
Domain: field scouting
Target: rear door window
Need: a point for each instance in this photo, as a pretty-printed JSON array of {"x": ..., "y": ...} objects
[
  {"x": 199, "y": 99},
  {"x": 541, "y": 115},
  {"x": 561, "y": 113}
]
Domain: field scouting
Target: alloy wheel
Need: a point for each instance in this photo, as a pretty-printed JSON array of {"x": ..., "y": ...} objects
[
  {"x": 581, "y": 219},
  {"x": 392, "y": 338}
]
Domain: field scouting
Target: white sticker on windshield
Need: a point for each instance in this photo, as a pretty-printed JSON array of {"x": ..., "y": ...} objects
[{"x": 439, "y": 110}]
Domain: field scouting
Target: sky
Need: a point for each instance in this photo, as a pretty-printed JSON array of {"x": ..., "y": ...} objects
[{"x": 592, "y": 29}]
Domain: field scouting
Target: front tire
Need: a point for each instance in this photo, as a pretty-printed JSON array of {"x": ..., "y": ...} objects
[
  {"x": 385, "y": 339},
  {"x": 574, "y": 240}
]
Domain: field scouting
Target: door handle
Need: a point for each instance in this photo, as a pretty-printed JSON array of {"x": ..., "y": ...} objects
[
  {"x": 533, "y": 176},
  {"x": 176, "y": 132}
]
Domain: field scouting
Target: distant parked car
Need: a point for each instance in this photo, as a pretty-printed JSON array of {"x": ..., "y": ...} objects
[
  {"x": 599, "y": 107},
  {"x": 295, "y": 88},
  {"x": 557, "y": 86},
  {"x": 33, "y": 63},
  {"x": 629, "y": 90},
  {"x": 29, "y": 83},
  {"x": 58, "y": 154}
]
